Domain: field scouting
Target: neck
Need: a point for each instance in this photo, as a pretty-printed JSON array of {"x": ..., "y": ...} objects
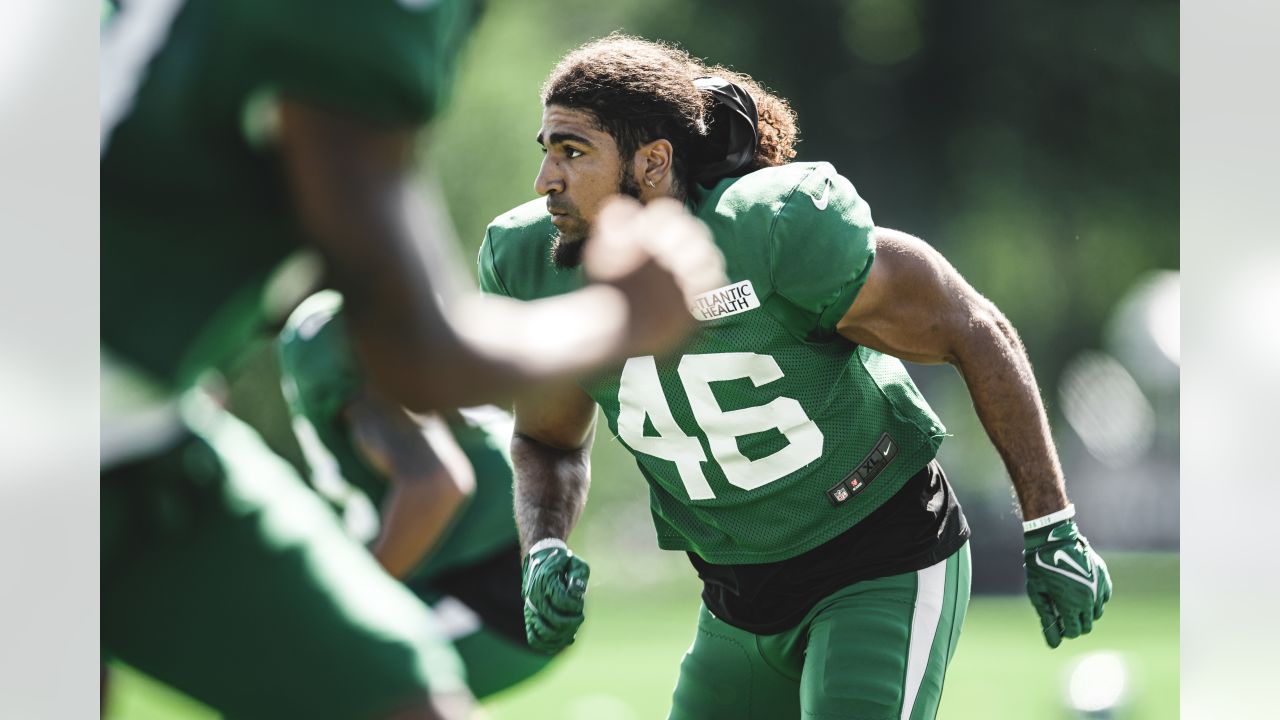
[{"x": 664, "y": 189}]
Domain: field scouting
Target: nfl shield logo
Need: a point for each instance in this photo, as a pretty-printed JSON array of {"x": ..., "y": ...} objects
[{"x": 839, "y": 494}]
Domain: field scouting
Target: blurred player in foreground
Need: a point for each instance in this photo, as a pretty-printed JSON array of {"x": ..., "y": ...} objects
[
  {"x": 233, "y": 134},
  {"x": 787, "y": 450},
  {"x": 430, "y": 496}
]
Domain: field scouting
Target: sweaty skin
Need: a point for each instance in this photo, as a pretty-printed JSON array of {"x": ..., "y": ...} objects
[{"x": 917, "y": 307}]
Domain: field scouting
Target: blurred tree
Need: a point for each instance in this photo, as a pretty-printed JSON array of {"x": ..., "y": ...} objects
[{"x": 1034, "y": 143}]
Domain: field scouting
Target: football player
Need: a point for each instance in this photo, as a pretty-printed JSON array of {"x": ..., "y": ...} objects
[
  {"x": 235, "y": 133},
  {"x": 430, "y": 495},
  {"x": 786, "y": 448}
]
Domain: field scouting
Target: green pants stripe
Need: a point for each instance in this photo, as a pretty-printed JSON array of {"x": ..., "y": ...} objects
[{"x": 876, "y": 650}]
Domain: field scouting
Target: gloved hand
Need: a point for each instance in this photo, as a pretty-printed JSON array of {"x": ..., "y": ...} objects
[
  {"x": 554, "y": 583},
  {"x": 1067, "y": 581}
]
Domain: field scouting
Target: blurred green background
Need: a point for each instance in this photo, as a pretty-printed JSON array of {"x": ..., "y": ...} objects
[{"x": 1035, "y": 145}]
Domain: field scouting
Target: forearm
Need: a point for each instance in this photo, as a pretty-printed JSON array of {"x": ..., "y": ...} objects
[
  {"x": 428, "y": 475},
  {"x": 1067, "y": 581},
  {"x": 520, "y": 343},
  {"x": 1005, "y": 395},
  {"x": 489, "y": 349},
  {"x": 414, "y": 517},
  {"x": 550, "y": 488}
]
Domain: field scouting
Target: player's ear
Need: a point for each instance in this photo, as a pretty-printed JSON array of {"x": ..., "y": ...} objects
[{"x": 653, "y": 162}]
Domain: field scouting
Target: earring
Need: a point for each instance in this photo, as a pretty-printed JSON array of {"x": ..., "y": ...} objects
[{"x": 650, "y": 183}]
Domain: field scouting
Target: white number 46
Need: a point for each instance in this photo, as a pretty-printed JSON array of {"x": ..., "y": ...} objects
[{"x": 641, "y": 395}]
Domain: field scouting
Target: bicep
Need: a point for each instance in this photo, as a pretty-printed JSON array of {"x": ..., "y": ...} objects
[
  {"x": 559, "y": 415},
  {"x": 914, "y": 305}
]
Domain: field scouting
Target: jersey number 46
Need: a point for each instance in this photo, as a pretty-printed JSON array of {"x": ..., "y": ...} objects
[{"x": 641, "y": 396}]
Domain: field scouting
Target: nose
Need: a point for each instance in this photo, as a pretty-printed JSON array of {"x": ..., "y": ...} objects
[{"x": 549, "y": 179}]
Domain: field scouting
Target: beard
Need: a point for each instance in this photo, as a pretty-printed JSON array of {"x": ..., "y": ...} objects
[
  {"x": 566, "y": 251},
  {"x": 566, "y": 254}
]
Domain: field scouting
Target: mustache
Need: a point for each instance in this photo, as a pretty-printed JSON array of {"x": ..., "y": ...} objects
[{"x": 561, "y": 207}]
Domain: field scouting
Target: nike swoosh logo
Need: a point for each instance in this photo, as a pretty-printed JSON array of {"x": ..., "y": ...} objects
[
  {"x": 821, "y": 203},
  {"x": 1086, "y": 578}
]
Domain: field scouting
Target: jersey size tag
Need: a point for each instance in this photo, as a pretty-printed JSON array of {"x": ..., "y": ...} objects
[
  {"x": 864, "y": 472},
  {"x": 728, "y": 300},
  {"x": 839, "y": 493}
]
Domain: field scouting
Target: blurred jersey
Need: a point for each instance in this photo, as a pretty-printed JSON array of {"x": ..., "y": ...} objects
[
  {"x": 771, "y": 434},
  {"x": 196, "y": 213},
  {"x": 321, "y": 378},
  {"x": 207, "y": 536}
]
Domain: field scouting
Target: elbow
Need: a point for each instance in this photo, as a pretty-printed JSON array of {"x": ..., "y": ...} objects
[
  {"x": 984, "y": 334},
  {"x": 564, "y": 443},
  {"x": 986, "y": 320},
  {"x": 1000, "y": 327}
]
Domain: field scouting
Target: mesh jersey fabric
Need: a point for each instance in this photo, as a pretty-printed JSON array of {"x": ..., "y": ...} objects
[{"x": 742, "y": 435}]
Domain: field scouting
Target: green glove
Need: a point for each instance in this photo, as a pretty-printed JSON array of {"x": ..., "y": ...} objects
[
  {"x": 555, "y": 581},
  {"x": 1067, "y": 581}
]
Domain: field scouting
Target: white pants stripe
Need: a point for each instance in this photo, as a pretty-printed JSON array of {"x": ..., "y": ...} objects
[{"x": 930, "y": 589}]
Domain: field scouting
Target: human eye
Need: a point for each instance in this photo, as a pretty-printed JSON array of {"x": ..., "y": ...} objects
[{"x": 571, "y": 153}]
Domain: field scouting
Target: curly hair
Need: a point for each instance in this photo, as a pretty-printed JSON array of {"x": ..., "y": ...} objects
[{"x": 639, "y": 91}]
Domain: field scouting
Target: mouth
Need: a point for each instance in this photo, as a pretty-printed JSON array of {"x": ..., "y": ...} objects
[{"x": 559, "y": 217}]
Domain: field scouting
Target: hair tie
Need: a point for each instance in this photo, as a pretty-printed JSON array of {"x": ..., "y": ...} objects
[{"x": 730, "y": 144}]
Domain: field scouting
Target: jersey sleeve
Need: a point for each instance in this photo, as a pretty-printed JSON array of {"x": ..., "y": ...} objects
[
  {"x": 388, "y": 60},
  {"x": 487, "y": 268},
  {"x": 318, "y": 371},
  {"x": 821, "y": 246}
]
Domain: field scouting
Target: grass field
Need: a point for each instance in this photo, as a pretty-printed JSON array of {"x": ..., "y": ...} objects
[{"x": 624, "y": 665}]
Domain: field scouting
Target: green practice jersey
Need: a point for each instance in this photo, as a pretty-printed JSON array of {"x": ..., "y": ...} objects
[
  {"x": 321, "y": 377},
  {"x": 196, "y": 214},
  {"x": 770, "y": 434}
]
